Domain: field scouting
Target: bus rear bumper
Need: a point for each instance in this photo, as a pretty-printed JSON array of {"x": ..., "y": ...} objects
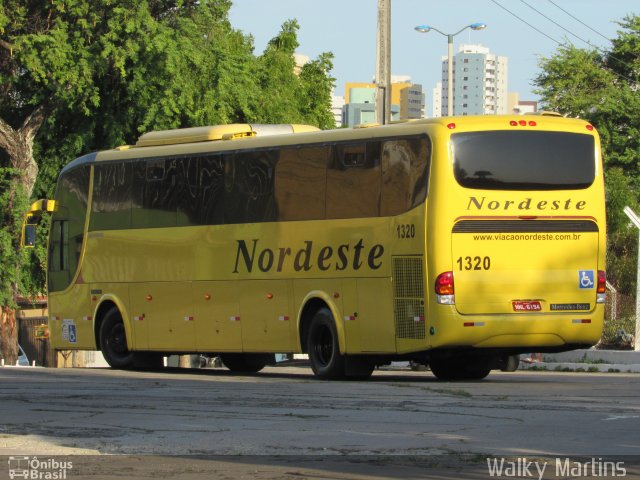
[{"x": 529, "y": 332}]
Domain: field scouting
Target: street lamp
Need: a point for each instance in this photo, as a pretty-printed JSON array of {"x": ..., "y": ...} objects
[{"x": 427, "y": 29}]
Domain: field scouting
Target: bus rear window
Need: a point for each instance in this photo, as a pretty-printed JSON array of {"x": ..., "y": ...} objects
[{"x": 510, "y": 160}]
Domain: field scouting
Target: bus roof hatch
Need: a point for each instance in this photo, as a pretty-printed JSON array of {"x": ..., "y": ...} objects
[{"x": 217, "y": 132}]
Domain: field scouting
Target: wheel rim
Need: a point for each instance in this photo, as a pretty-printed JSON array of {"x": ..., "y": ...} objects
[
  {"x": 116, "y": 340},
  {"x": 324, "y": 345}
]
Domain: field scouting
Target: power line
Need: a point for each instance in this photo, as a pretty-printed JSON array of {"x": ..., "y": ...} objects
[
  {"x": 557, "y": 24},
  {"x": 561, "y": 44},
  {"x": 601, "y": 50},
  {"x": 527, "y": 23},
  {"x": 578, "y": 20}
]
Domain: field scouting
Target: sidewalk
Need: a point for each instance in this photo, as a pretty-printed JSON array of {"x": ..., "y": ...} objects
[{"x": 588, "y": 360}]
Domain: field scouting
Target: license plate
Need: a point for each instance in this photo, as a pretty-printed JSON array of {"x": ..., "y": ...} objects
[{"x": 527, "y": 306}]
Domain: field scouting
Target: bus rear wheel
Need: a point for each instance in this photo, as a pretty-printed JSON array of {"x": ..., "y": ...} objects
[
  {"x": 462, "y": 368},
  {"x": 322, "y": 345},
  {"x": 113, "y": 341},
  {"x": 247, "y": 362}
]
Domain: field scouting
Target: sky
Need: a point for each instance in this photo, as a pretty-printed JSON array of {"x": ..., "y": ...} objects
[{"x": 347, "y": 28}]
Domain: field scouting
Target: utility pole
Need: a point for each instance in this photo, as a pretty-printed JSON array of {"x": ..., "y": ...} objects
[{"x": 383, "y": 63}]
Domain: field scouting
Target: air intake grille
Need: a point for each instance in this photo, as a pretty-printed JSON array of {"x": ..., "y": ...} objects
[
  {"x": 522, "y": 226},
  {"x": 408, "y": 305}
]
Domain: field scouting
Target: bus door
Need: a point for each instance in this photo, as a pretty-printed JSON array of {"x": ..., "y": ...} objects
[{"x": 74, "y": 328}]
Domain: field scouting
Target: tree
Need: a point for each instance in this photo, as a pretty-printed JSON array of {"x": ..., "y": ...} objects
[
  {"x": 290, "y": 93},
  {"x": 315, "y": 91},
  {"x": 603, "y": 87},
  {"x": 278, "y": 83},
  {"x": 81, "y": 75}
]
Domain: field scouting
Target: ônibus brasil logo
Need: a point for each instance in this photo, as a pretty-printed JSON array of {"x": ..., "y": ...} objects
[{"x": 36, "y": 469}]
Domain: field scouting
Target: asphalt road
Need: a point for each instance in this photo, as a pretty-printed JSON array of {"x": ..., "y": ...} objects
[{"x": 282, "y": 423}]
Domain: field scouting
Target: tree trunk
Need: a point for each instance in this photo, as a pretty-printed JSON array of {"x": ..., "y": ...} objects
[
  {"x": 8, "y": 335},
  {"x": 19, "y": 147}
]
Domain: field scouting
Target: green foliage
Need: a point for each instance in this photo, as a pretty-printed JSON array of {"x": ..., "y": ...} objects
[
  {"x": 603, "y": 88},
  {"x": 316, "y": 88},
  {"x": 277, "y": 80},
  {"x": 622, "y": 244},
  {"x": 12, "y": 203},
  {"x": 108, "y": 70},
  {"x": 287, "y": 97}
]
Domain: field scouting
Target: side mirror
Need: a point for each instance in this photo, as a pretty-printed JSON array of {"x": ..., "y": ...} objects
[
  {"x": 28, "y": 235},
  {"x": 32, "y": 218}
]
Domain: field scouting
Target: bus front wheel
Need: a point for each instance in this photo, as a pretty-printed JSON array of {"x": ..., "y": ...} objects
[
  {"x": 322, "y": 346},
  {"x": 113, "y": 341}
]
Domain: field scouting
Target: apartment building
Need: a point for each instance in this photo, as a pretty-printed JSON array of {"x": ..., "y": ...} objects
[{"x": 479, "y": 82}]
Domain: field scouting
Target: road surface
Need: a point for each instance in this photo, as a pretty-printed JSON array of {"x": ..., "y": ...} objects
[{"x": 283, "y": 423}]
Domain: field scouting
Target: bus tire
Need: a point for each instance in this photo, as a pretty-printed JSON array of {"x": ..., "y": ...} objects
[
  {"x": 510, "y": 363},
  {"x": 465, "y": 368},
  {"x": 247, "y": 362},
  {"x": 357, "y": 367},
  {"x": 113, "y": 341},
  {"x": 326, "y": 360}
]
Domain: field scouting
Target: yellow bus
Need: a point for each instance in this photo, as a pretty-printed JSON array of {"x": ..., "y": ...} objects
[{"x": 450, "y": 242}]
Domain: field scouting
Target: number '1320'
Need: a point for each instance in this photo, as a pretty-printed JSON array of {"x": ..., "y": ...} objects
[{"x": 474, "y": 263}]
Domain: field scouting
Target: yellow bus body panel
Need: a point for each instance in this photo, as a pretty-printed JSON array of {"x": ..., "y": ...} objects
[{"x": 243, "y": 287}]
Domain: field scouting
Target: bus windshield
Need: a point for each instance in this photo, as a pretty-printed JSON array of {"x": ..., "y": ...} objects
[{"x": 524, "y": 160}]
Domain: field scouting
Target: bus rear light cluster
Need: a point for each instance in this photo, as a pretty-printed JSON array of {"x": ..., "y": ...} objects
[
  {"x": 523, "y": 123},
  {"x": 445, "y": 292},
  {"x": 601, "y": 292}
]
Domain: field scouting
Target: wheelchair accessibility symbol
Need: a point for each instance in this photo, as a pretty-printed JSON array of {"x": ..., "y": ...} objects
[
  {"x": 586, "y": 279},
  {"x": 69, "y": 332}
]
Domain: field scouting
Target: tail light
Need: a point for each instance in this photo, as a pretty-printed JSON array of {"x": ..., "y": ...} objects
[
  {"x": 602, "y": 287},
  {"x": 445, "y": 289},
  {"x": 602, "y": 282}
]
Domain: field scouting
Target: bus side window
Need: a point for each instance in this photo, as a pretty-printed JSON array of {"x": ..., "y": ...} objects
[
  {"x": 301, "y": 183},
  {"x": 112, "y": 185},
  {"x": 420, "y": 164},
  {"x": 404, "y": 174},
  {"x": 155, "y": 187},
  {"x": 200, "y": 190},
  {"x": 188, "y": 191},
  {"x": 211, "y": 190},
  {"x": 353, "y": 180},
  {"x": 249, "y": 194}
]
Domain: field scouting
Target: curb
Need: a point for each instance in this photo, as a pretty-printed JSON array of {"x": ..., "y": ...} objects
[
  {"x": 580, "y": 367},
  {"x": 588, "y": 360}
]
